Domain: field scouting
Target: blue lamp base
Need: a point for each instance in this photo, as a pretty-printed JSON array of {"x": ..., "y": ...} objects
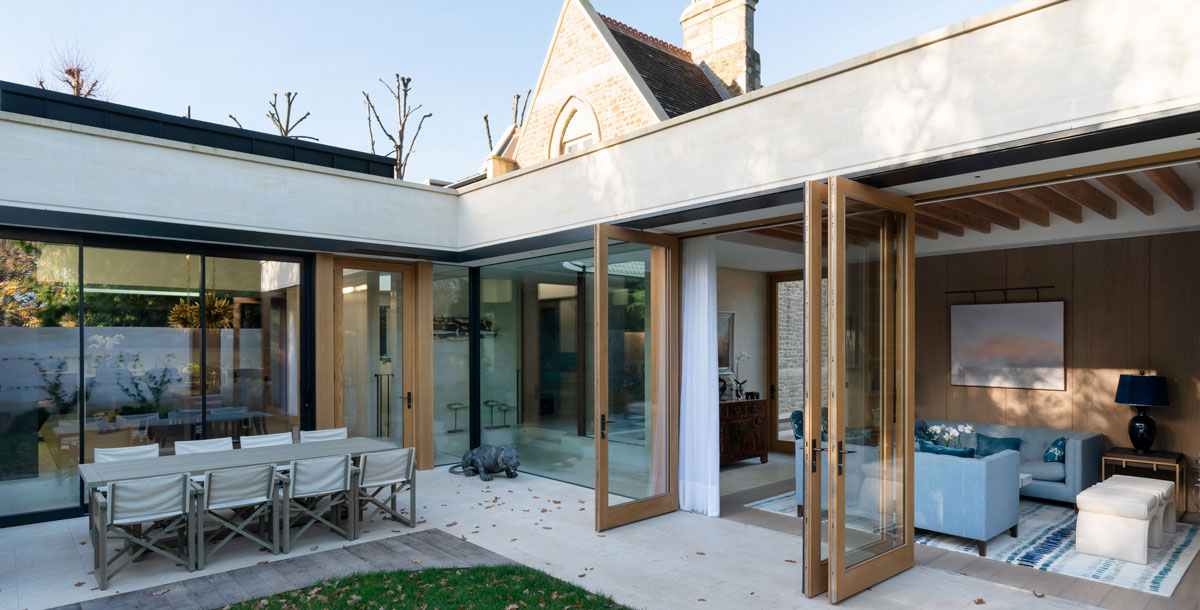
[{"x": 1141, "y": 431}]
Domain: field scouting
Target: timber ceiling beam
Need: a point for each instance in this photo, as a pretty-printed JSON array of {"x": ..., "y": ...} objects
[
  {"x": 1166, "y": 179},
  {"x": 1096, "y": 200},
  {"x": 1011, "y": 204},
  {"x": 1130, "y": 191},
  {"x": 986, "y": 212},
  {"x": 938, "y": 224},
  {"x": 944, "y": 212},
  {"x": 1052, "y": 201},
  {"x": 926, "y": 232}
]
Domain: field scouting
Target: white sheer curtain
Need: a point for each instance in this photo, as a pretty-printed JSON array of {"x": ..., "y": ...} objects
[{"x": 699, "y": 425}]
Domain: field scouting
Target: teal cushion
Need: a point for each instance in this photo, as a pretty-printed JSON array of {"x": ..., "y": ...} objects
[
  {"x": 1057, "y": 451},
  {"x": 928, "y": 447},
  {"x": 987, "y": 445},
  {"x": 797, "y": 418}
]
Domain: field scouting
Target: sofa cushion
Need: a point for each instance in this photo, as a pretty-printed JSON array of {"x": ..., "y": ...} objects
[
  {"x": 1057, "y": 451},
  {"x": 1044, "y": 471},
  {"x": 987, "y": 445},
  {"x": 1117, "y": 502},
  {"x": 928, "y": 447}
]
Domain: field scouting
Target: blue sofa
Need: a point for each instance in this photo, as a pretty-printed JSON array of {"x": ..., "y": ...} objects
[
  {"x": 1060, "y": 481},
  {"x": 967, "y": 497}
]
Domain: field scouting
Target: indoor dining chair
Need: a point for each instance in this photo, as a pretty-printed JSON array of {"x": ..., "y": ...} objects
[
  {"x": 224, "y": 443},
  {"x": 266, "y": 440},
  {"x": 312, "y": 436}
]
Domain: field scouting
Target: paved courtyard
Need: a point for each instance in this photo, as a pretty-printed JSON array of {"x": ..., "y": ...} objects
[{"x": 681, "y": 560}]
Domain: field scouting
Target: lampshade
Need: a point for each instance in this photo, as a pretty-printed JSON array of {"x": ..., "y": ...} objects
[{"x": 1142, "y": 391}]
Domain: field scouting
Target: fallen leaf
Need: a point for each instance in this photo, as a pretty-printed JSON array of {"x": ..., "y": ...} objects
[
  {"x": 160, "y": 593},
  {"x": 790, "y": 560},
  {"x": 582, "y": 575},
  {"x": 702, "y": 600},
  {"x": 547, "y": 528},
  {"x": 1039, "y": 595},
  {"x": 699, "y": 552},
  {"x": 513, "y": 540},
  {"x": 452, "y": 524},
  {"x": 83, "y": 543},
  {"x": 979, "y": 601},
  {"x": 416, "y": 561},
  {"x": 313, "y": 549},
  {"x": 79, "y": 584},
  {"x": 264, "y": 561}
]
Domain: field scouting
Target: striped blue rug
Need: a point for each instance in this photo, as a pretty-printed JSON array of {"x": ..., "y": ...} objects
[{"x": 1047, "y": 542}]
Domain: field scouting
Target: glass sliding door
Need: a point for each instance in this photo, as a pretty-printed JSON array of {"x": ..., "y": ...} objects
[
  {"x": 636, "y": 381},
  {"x": 869, "y": 452},
  {"x": 142, "y": 349},
  {"x": 535, "y": 363},
  {"x": 374, "y": 320},
  {"x": 40, "y": 401},
  {"x": 251, "y": 346},
  {"x": 451, "y": 363}
]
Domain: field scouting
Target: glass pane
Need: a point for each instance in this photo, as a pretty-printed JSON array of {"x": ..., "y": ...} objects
[
  {"x": 874, "y": 474},
  {"x": 637, "y": 392},
  {"x": 141, "y": 348},
  {"x": 372, "y": 356},
  {"x": 252, "y": 345},
  {"x": 451, "y": 363},
  {"x": 789, "y": 356},
  {"x": 535, "y": 365},
  {"x": 39, "y": 352}
]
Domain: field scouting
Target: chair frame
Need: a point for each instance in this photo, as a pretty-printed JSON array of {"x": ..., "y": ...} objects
[
  {"x": 139, "y": 541},
  {"x": 309, "y": 506},
  {"x": 366, "y": 497},
  {"x": 265, "y": 513}
]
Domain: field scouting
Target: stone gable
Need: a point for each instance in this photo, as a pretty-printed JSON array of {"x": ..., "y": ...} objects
[{"x": 581, "y": 64}]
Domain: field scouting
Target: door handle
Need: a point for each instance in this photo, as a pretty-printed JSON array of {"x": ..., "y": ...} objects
[
  {"x": 772, "y": 391},
  {"x": 816, "y": 454},
  {"x": 603, "y": 425},
  {"x": 408, "y": 399},
  {"x": 842, "y": 456}
]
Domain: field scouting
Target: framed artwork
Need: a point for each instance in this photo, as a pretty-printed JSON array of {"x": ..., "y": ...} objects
[
  {"x": 1008, "y": 345},
  {"x": 725, "y": 342}
]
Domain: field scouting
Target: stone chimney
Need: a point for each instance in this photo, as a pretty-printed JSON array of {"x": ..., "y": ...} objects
[{"x": 720, "y": 35}]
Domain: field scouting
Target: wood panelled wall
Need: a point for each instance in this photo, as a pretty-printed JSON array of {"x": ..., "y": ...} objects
[{"x": 1130, "y": 304}]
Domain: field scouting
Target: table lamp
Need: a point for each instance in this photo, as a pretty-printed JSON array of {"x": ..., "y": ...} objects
[{"x": 1142, "y": 391}]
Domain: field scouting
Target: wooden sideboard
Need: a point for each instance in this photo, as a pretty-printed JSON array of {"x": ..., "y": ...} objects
[{"x": 744, "y": 430}]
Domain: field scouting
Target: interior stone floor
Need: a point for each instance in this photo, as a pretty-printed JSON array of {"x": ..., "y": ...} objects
[{"x": 678, "y": 560}]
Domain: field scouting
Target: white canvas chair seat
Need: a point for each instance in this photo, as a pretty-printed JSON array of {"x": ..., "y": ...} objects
[
  {"x": 309, "y": 481},
  {"x": 224, "y": 443},
  {"x": 313, "y": 436},
  {"x": 143, "y": 512},
  {"x": 391, "y": 472},
  {"x": 266, "y": 440},
  {"x": 248, "y": 495}
]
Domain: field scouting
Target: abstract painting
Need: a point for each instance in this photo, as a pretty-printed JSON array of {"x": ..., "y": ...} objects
[
  {"x": 1008, "y": 345},
  {"x": 724, "y": 342}
]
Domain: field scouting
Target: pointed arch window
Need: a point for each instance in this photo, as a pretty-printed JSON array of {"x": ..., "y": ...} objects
[{"x": 575, "y": 128}]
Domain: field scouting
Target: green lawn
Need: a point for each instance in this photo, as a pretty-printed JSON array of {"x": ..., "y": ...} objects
[{"x": 483, "y": 588}]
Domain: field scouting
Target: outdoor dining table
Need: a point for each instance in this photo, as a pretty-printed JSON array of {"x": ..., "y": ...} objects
[{"x": 99, "y": 475}]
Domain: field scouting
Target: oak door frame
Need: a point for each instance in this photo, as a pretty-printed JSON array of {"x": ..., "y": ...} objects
[
  {"x": 772, "y": 300},
  {"x": 417, "y": 328},
  {"x": 846, "y": 581},
  {"x": 665, "y": 317}
]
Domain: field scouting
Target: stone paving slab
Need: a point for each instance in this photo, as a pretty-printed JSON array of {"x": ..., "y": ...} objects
[{"x": 415, "y": 551}]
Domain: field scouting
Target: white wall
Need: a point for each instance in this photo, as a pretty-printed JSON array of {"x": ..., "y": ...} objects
[
  {"x": 51, "y": 165},
  {"x": 744, "y": 293},
  {"x": 1064, "y": 65}
]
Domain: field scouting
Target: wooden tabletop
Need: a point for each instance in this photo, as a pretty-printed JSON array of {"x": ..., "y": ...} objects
[
  {"x": 1149, "y": 457},
  {"x": 97, "y": 475}
]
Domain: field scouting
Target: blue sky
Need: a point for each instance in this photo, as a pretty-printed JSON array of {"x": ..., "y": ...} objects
[{"x": 466, "y": 57}]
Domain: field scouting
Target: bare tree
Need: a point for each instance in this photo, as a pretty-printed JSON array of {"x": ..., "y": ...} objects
[
  {"x": 283, "y": 123},
  {"x": 518, "y": 116},
  {"x": 403, "y": 113},
  {"x": 73, "y": 71}
]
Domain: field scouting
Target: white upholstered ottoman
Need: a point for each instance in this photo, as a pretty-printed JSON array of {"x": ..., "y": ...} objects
[
  {"x": 1116, "y": 522},
  {"x": 1164, "y": 489}
]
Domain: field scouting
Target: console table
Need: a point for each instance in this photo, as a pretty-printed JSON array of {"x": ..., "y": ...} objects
[
  {"x": 744, "y": 430},
  {"x": 1172, "y": 465}
]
